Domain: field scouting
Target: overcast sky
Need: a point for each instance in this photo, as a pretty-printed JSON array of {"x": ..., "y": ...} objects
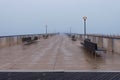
[{"x": 31, "y": 16}]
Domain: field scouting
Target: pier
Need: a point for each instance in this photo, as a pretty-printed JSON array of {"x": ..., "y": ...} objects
[{"x": 58, "y": 52}]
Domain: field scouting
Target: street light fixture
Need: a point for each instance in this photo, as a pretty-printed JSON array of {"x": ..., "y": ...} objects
[{"x": 84, "y": 18}]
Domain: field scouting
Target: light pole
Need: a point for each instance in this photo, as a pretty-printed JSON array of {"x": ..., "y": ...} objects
[
  {"x": 70, "y": 31},
  {"x": 84, "y": 18},
  {"x": 46, "y": 29}
]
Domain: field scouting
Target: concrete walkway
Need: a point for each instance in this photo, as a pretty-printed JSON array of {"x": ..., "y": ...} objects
[{"x": 56, "y": 53}]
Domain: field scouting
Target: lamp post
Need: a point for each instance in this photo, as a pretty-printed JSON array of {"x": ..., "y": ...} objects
[
  {"x": 84, "y": 18},
  {"x": 46, "y": 29},
  {"x": 70, "y": 31}
]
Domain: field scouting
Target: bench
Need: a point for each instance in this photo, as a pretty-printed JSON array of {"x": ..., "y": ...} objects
[
  {"x": 29, "y": 40},
  {"x": 92, "y": 47},
  {"x": 45, "y": 36},
  {"x": 26, "y": 39},
  {"x": 73, "y": 38},
  {"x": 35, "y": 38}
]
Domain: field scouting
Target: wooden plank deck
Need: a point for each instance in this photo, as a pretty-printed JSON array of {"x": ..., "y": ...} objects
[{"x": 55, "y": 53}]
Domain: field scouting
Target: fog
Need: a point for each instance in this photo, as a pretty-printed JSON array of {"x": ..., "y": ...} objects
[{"x": 30, "y": 16}]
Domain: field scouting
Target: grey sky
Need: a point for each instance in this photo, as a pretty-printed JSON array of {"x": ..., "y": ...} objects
[{"x": 31, "y": 16}]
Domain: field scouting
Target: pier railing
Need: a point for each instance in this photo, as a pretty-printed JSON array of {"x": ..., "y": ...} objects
[
  {"x": 109, "y": 42},
  {"x": 6, "y": 41}
]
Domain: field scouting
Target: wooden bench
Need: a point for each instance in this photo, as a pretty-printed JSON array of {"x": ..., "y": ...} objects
[
  {"x": 29, "y": 40},
  {"x": 35, "y": 38},
  {"x": 73, "y": 38},
  {"x": 26, "y": 39},
  {"x": 45, "y": 36},
  {"x": 92, "y": 47}
]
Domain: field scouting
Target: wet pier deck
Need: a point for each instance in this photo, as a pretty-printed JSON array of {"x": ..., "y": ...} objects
[{"x": 55, "y": 53}]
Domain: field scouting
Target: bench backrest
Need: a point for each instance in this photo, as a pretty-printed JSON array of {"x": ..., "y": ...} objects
[
  {"x": 73, "y": 36},
  {"x": 26, "y": 39},
  {"x": 35, "y": 38},
  {"x": 90, "y": 45}
]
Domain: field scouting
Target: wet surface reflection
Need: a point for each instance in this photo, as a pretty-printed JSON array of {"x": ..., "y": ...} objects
[{"x": 93, "y": 60}]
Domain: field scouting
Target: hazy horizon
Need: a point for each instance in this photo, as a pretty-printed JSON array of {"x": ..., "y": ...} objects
[{"x": 31, "y": 16}]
